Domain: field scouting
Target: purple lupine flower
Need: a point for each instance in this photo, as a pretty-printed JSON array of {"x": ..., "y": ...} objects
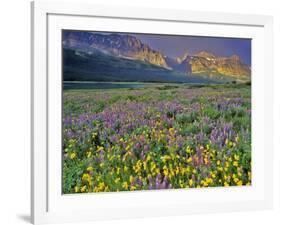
[{"x": 146, "y": 148}]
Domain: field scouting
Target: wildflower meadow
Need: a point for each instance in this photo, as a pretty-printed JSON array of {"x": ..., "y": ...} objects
[{"x": 159, "y": 136}]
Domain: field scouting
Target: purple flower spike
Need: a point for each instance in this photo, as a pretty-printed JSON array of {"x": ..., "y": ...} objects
[
  {"x": 138, "y": 145},
  {"x": 140, "y": 182}
]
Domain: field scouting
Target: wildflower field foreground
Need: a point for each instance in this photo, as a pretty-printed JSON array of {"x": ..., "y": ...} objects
[{"x": 156, "y": 137}]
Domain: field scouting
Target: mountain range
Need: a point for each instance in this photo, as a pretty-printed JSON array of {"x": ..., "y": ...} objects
[{"x": 120, "y": 57}]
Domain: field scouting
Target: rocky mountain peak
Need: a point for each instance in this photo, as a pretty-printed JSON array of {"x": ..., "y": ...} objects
[
  {"x": 122, "y": 45},
  {"x": 206, "y": 54},
  {"x": 235, "y": 58},
  {"x": 183, "y": 57}
]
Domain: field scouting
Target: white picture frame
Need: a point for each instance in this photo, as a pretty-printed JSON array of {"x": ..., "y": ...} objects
[{"x": 48, "y": 205}]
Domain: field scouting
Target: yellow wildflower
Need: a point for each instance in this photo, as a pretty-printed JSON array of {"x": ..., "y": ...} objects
[
  {"x": 181, "y": 184},
  {"x": 206, "y": 160},
  {"x": 204, "y": 183},
  {"x": 72, "y": 155},
  {"x": 133, "y": 188},
  {"x": 226, "y": 164},
  {"x": 86, "y": 177},
  {"x": 144, "y": 165},
  {"x": 226, "y": 141},
  {"x": 177, "y": 170},
  {"x": 240, "y": 183},
  {"x": 125, "y": 185},
  {"x": 165, "y": 158},
  {"x": 236, "y": 180},
  {"x": 165, "y": 171},
  {"x": 106, "y": 188},
  {"x": 137, "y": 167},
  {"x": 188, "y": 150},
  {"x": 90, "y": 168},
  {"x": 131, "y": 179},
  {"x": 83, "y": 189},
  {"x": 128, "y": 147},
  {"x": 226, "y": 177},
  {"x": 100, "y": 148},
  {"x": 236, "y": 157},
  {"x": 171, "y": 130},
  {"x": 157, "y": 170},
  {"x": 89, "y": 154},
  {"x": 152, "y": 166},
  {"x": 101, "y": 186},
  {"x": 189, "y": 160},
  {"x": 209, "y": 180}
]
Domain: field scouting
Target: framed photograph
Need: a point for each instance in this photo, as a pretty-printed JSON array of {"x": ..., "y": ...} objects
[{"x": 140, "y": 112}]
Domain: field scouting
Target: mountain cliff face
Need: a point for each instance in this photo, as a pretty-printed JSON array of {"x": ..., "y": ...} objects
[
  {"x": 129, "y": 47},
  {"x": 209, "y": 64},
  {"x": 233, "y": 66},
  {"x": 119, "y": 45}
]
